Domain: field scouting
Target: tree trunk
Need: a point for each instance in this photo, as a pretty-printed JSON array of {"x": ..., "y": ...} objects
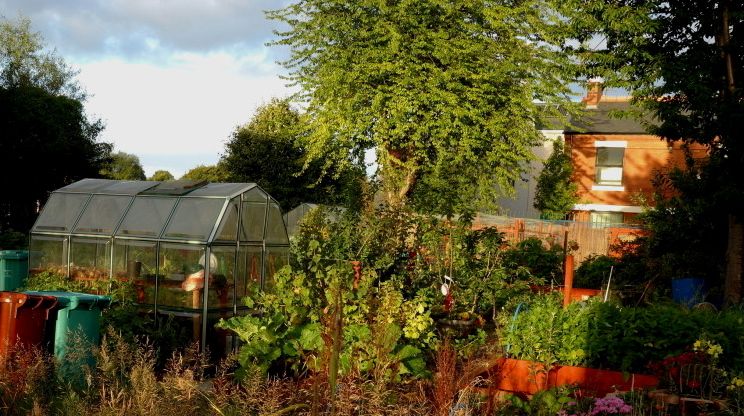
[
  {"x": 400, "y": 176},
  {"x": 734, "y": 254},
  {"x": 735, "y": 246}
]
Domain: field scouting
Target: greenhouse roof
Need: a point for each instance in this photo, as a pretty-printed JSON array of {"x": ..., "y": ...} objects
[{"x": 180, "y": 211}]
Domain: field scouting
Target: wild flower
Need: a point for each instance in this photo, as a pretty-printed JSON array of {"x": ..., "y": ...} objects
[
  {"x": 610, "y": 406},
  {"x": 736, "y": 383},
  {"x": 708, "y": 347}
]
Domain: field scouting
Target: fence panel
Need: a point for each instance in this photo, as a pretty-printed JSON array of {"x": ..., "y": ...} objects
[{"x": 588, "y": 238}]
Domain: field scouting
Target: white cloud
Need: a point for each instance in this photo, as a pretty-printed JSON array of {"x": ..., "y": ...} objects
[{"x": 189, "y": 107}]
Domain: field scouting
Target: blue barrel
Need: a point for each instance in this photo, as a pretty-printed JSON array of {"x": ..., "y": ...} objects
[{"x": 688, "y": 290}]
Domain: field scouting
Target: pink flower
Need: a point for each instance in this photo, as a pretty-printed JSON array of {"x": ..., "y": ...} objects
[{"x": 610, "y": 406}]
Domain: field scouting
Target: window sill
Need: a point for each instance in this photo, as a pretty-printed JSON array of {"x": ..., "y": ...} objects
[{"x": 615, "y": 188}]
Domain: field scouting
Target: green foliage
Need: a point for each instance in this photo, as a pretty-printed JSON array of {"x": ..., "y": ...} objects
[
  {"x": 13, "y": 240},
  {"x": 269, "y": 151},
  {"x": 550, "y": 402},
  {"x": 444, "y": 91},
  {"x": 161, "y": 175},
  {"x": 546, "y": 333},
  {"x": 209, "y": 173},
  {"x": 43, "y": 125},
  {"x": 687, "y": 223},
  {"x": 542, "y": 259},
  {"x": 124, "y": 166},
  {"x": 25, "y": 62},
  {"x": 556, "y": 192},
  {"x": 603, "y": 335},
  {"x": 594, "y": 271}
]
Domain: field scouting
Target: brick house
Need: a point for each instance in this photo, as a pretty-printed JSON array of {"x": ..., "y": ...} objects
[{"x": 615, "y": 160}]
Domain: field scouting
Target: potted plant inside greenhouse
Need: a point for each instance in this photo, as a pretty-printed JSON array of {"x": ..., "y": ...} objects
[{"x": 190, "y": 249}]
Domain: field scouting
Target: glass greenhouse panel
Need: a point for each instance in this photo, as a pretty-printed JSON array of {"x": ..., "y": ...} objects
[
  {"x": 276, "y": 232},
  {"x": 127, "y": 187},
  {"x": 102, "y": 214},
  {"x": 181, "y": 276},
  {"x": 60, "y": 212},
  {"x": 276, "y": 258},
  {"x": 48, "y": 254},
  {"x": 194, "y": 219},
  {"x": 219, "y": 189},
  {"x": 90, "y": 259},
  {"x": 135, "y": 261},
  {"x": 249, "y": 270},
  {"x": 228, "y": 229},
  {"x": 255, "y": 195},
  {"x": 222, "y": 279},
  {"x": 146, "y": 217},
  {"x": 86, "y": 186},
  {"x": 252, "y": 221}
]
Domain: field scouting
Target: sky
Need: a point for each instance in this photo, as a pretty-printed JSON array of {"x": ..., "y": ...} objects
[{"x": 171, "y": 79}]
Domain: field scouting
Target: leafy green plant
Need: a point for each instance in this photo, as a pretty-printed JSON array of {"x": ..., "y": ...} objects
[
  {"x": 545, "y": 332},
  {"x": 594, "y": 271},
  {"x": 555, "y": 401},
  {"x": 542, "y": 259}
]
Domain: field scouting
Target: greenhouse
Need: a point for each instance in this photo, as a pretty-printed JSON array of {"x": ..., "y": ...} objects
[{"x": 158, "y": 236}]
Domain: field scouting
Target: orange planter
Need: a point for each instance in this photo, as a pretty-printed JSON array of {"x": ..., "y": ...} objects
[{"x": 521, "y": 376}]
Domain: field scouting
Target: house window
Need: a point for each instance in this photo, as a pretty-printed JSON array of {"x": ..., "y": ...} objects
[
  {"x": 609, "y": 165},
  {"x": 599, "y": 217}
]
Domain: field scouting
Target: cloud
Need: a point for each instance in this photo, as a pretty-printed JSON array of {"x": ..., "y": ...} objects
[
  {"x": 147, "y": 29},
  {"x": 192, "y": 106}
]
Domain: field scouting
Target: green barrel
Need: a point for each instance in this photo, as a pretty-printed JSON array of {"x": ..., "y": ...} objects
[
  {"x": 76, "y": 329},
  {"x": 13, "y": 269}
]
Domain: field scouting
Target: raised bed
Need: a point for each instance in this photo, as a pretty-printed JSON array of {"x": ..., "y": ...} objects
[{"x": 528, "y": 377}]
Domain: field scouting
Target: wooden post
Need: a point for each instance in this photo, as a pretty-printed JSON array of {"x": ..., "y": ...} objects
[{"x": 568, "y": 280}]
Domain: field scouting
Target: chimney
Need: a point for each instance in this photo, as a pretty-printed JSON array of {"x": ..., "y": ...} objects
[{"x": 594, "y": 92}]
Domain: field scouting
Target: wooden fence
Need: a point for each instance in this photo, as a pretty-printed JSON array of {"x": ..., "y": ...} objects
[{"x": 585, "y": 237}]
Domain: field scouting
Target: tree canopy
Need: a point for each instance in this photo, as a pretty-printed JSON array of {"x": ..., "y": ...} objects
[
  {"x": 24, "y": 63},
  {"x": 124, "y": 166},
  {"x": 47, "y": 140},
  {"x": 209, "y": 173},
  {"x": 444, "y": 91},
  {"x": 161, "y": 175},
  {"x": 270, "y": 152}
]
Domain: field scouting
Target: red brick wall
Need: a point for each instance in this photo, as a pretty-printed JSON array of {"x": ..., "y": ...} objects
[{"x": 644, "y": 155}]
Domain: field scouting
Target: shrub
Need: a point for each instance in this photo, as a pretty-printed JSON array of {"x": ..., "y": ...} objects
[{"x": 594, "y": 271}]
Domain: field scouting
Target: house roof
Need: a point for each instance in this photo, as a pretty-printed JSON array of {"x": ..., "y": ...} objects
[
  {"x": 610, "y": 118},
  {"x": 607, "y": 117}
]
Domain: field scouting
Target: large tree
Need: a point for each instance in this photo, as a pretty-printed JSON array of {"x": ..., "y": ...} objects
[
  {"x": 124, "y": 166},
  {"x": 47, "y": 140},
  {"x": 445, "y": 91},
  {"x": 269, "y": 151},
  {"x": 25, "y": 63},
  {"x": 683, "y": 60}
]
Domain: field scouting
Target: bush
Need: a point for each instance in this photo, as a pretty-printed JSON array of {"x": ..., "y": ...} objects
[
  {"x": 604, "y": 335},
  {"x": 542, "y": 260},
  {"x": 594, "y": 271}
]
